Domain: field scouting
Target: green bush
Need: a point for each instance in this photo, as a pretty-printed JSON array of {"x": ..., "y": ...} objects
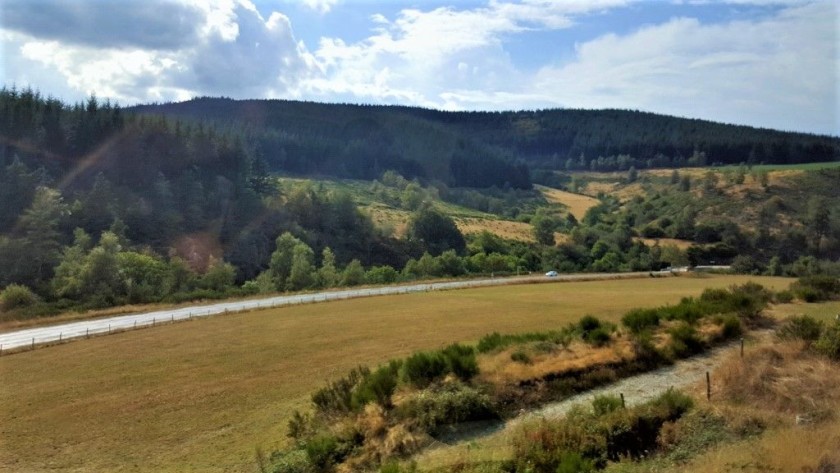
[
  {"x": 451, "y": 403},
  {"x": 378, "y": 386},
  {"x": 598, "y": 337},
  {"x": 460, "y": 361},
  {"x": 802, "y": 327},
  {"x": 421, "y": 368},
  {"x": 816, "y": 288},
  {"x": 684, "y": 340},
  {"x": 496, "y": 341},
  {"x": 641, "y": 319},
  {"x": 731, "y": 326},
  {"x": 784, "y": 297},
  {"x": 520, "y": 357},
  {"x": 16, "y": 296},
  {"x": 294, "y": 461},
  {"x": 572, "y": 462},
  {"x": 605, "y": 404},
  {"x": 829, "y": 342},
  {"x": 588, "y": 323},
  {"x": 323, "y": 452},
  {"x": 337, "y": 396}
]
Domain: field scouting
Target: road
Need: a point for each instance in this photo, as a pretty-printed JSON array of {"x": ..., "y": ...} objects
[{"x": 100, "y": 326}]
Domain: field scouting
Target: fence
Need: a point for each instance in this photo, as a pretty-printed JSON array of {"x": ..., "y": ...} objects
[{"x": 31, "y": 338}]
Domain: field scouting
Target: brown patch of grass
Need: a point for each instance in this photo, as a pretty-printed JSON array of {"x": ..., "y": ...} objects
[
  {"x": 201, "y": 395},
  {"x": 507, "y": 229},
  {"x": 681, "y": 244},
  {"x": 578, "y": 204},
  {"x": 782, "y": 377},
  {"x": 499, "y": 369}
]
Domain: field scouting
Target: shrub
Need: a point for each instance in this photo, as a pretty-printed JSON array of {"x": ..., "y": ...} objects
[
  {"x": 588, "y": 323},
  {"x": 684, "y": 340},
  {"x": 16, "y": 296},
  {"x": 337, "y": 396},
  {"x": 829, "y": 342},
  {"x": 377, "y": 387},
  {"x": 731, "y": 326},
  {"x": 605, "y": 404},
  {"x": 490, "y": 342},
  {"x": 460, "y": 361},
  {"x": 323, "y": 452},
  {"x": 520, "y": 357},
  {"x": 800, "y": 328},
  {"x": 294, "y": 461},
  {"x": 448, "y": 404},
  {"x": 784, "y": 297},
  {"x": 420, "y": 369},
  {"x": 640, "y": 319},
  {"x": 598, "y": 337},
  {"x": 816, "y": 288},
  {"x": 572, "y": 462}
]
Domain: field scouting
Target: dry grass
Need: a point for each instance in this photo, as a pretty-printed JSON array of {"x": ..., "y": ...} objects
[
  {"x": 783, "y": 377},
  {"x": 201, "y": 395},
  {"x": 681, "y": 244},
  {"x": 578, "y": 204},
  {"x": 777, "y": 380},
  {"x": 790, "y": 449},
  {"x": 499, "y": 369},
  {"x": 507, "y": 229},
  {"x": 825, "y": 311}
]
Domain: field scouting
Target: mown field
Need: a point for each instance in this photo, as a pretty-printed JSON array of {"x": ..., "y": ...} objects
[{"x": 203, "y": 395}]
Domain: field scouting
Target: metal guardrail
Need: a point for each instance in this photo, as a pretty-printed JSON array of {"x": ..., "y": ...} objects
[{"x": 31, "y": 338}]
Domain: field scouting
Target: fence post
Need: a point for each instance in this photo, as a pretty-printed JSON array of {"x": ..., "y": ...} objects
[
  {"x": 622, "y": 400},
  {"x": 173, "y": 318},
  {"x": 60, "y": 335},
  {"x": 135, "y": 324},
  {"x": 33, "y": 343},
  {"x": 154, "y": 319},
  {"x": 742, "y": 347},
  {"x": 109, "y": 329},
  {"x": 87, "y": 332},
  {"x": 708, "y": 387}
]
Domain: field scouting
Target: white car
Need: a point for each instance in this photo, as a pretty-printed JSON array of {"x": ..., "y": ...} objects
[{"x": 551, "y": 274}]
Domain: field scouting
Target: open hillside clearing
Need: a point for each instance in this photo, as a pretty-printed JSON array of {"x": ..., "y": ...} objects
[
  {"x": 201, "y": 396},
  {"x": 578, "y": 204}
]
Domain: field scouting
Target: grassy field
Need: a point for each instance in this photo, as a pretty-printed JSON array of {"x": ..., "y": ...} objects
[
  {"x": 202, "y": 395},
  {"x": 578, "y": 204}
]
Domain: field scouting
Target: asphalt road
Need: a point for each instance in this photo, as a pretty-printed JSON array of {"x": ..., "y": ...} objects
[{"x": 100, "y": 326}]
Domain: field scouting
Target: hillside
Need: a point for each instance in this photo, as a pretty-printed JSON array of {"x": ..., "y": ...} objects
[{"x": 481, "y": 149}]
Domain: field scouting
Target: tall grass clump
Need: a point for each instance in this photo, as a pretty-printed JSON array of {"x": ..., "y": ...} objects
[
  {"x": 802, "y": 327},
  {"x": 605, "y": 433}
]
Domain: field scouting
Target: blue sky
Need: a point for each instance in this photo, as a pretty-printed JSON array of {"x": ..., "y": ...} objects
[{"x": 768, "y": 63}]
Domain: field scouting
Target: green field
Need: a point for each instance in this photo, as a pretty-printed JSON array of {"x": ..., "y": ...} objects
[{"x": 203, "y": 395}]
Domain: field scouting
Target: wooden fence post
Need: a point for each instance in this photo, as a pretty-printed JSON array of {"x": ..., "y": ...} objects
[
  {"x": 742, "y": 347},
  {"x": 622, "y": 400},
  {"x": 708, "y": 387}
]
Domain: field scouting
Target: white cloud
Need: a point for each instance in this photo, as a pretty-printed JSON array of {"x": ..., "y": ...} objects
[
  {"x": 777, "y": 72},
  {"x": 321, "y": 6},
  {"x": 422, "y": 51},
  {"x": 235, "y": 52}
]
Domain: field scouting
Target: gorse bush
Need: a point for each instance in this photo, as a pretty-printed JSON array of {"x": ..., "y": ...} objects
[
  {"x": 800, "y": 328},
  {"x": 461, "y": 361},
  {"x": 816, "y": 288},
  {"x": 606, "y": 433},
  {"x": 594, "y": 331},
  {"x": 641, "y": 319},
  {"x": 337, "y": 396},
  {"x": 420, "y": 369},
  {"x": 377, "y": 387},
  {"x": 684, "y": 340},
  {"x": 829, "y": 342},
  {"x": 450, "y": 403},
  {"x": 605, "y": 404}
]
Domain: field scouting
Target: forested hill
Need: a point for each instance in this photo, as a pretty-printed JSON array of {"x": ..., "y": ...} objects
[{"x": 481, "y": 149}]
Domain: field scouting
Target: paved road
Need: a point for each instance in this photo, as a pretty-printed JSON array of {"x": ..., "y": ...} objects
[{"x": 75, "y": 330}]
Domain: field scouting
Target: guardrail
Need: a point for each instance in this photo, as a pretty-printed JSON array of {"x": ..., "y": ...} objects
[{"x": 31, "y": 338}]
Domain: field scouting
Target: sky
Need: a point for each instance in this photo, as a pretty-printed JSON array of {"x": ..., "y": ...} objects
[{"x": 765, "y": 63}]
